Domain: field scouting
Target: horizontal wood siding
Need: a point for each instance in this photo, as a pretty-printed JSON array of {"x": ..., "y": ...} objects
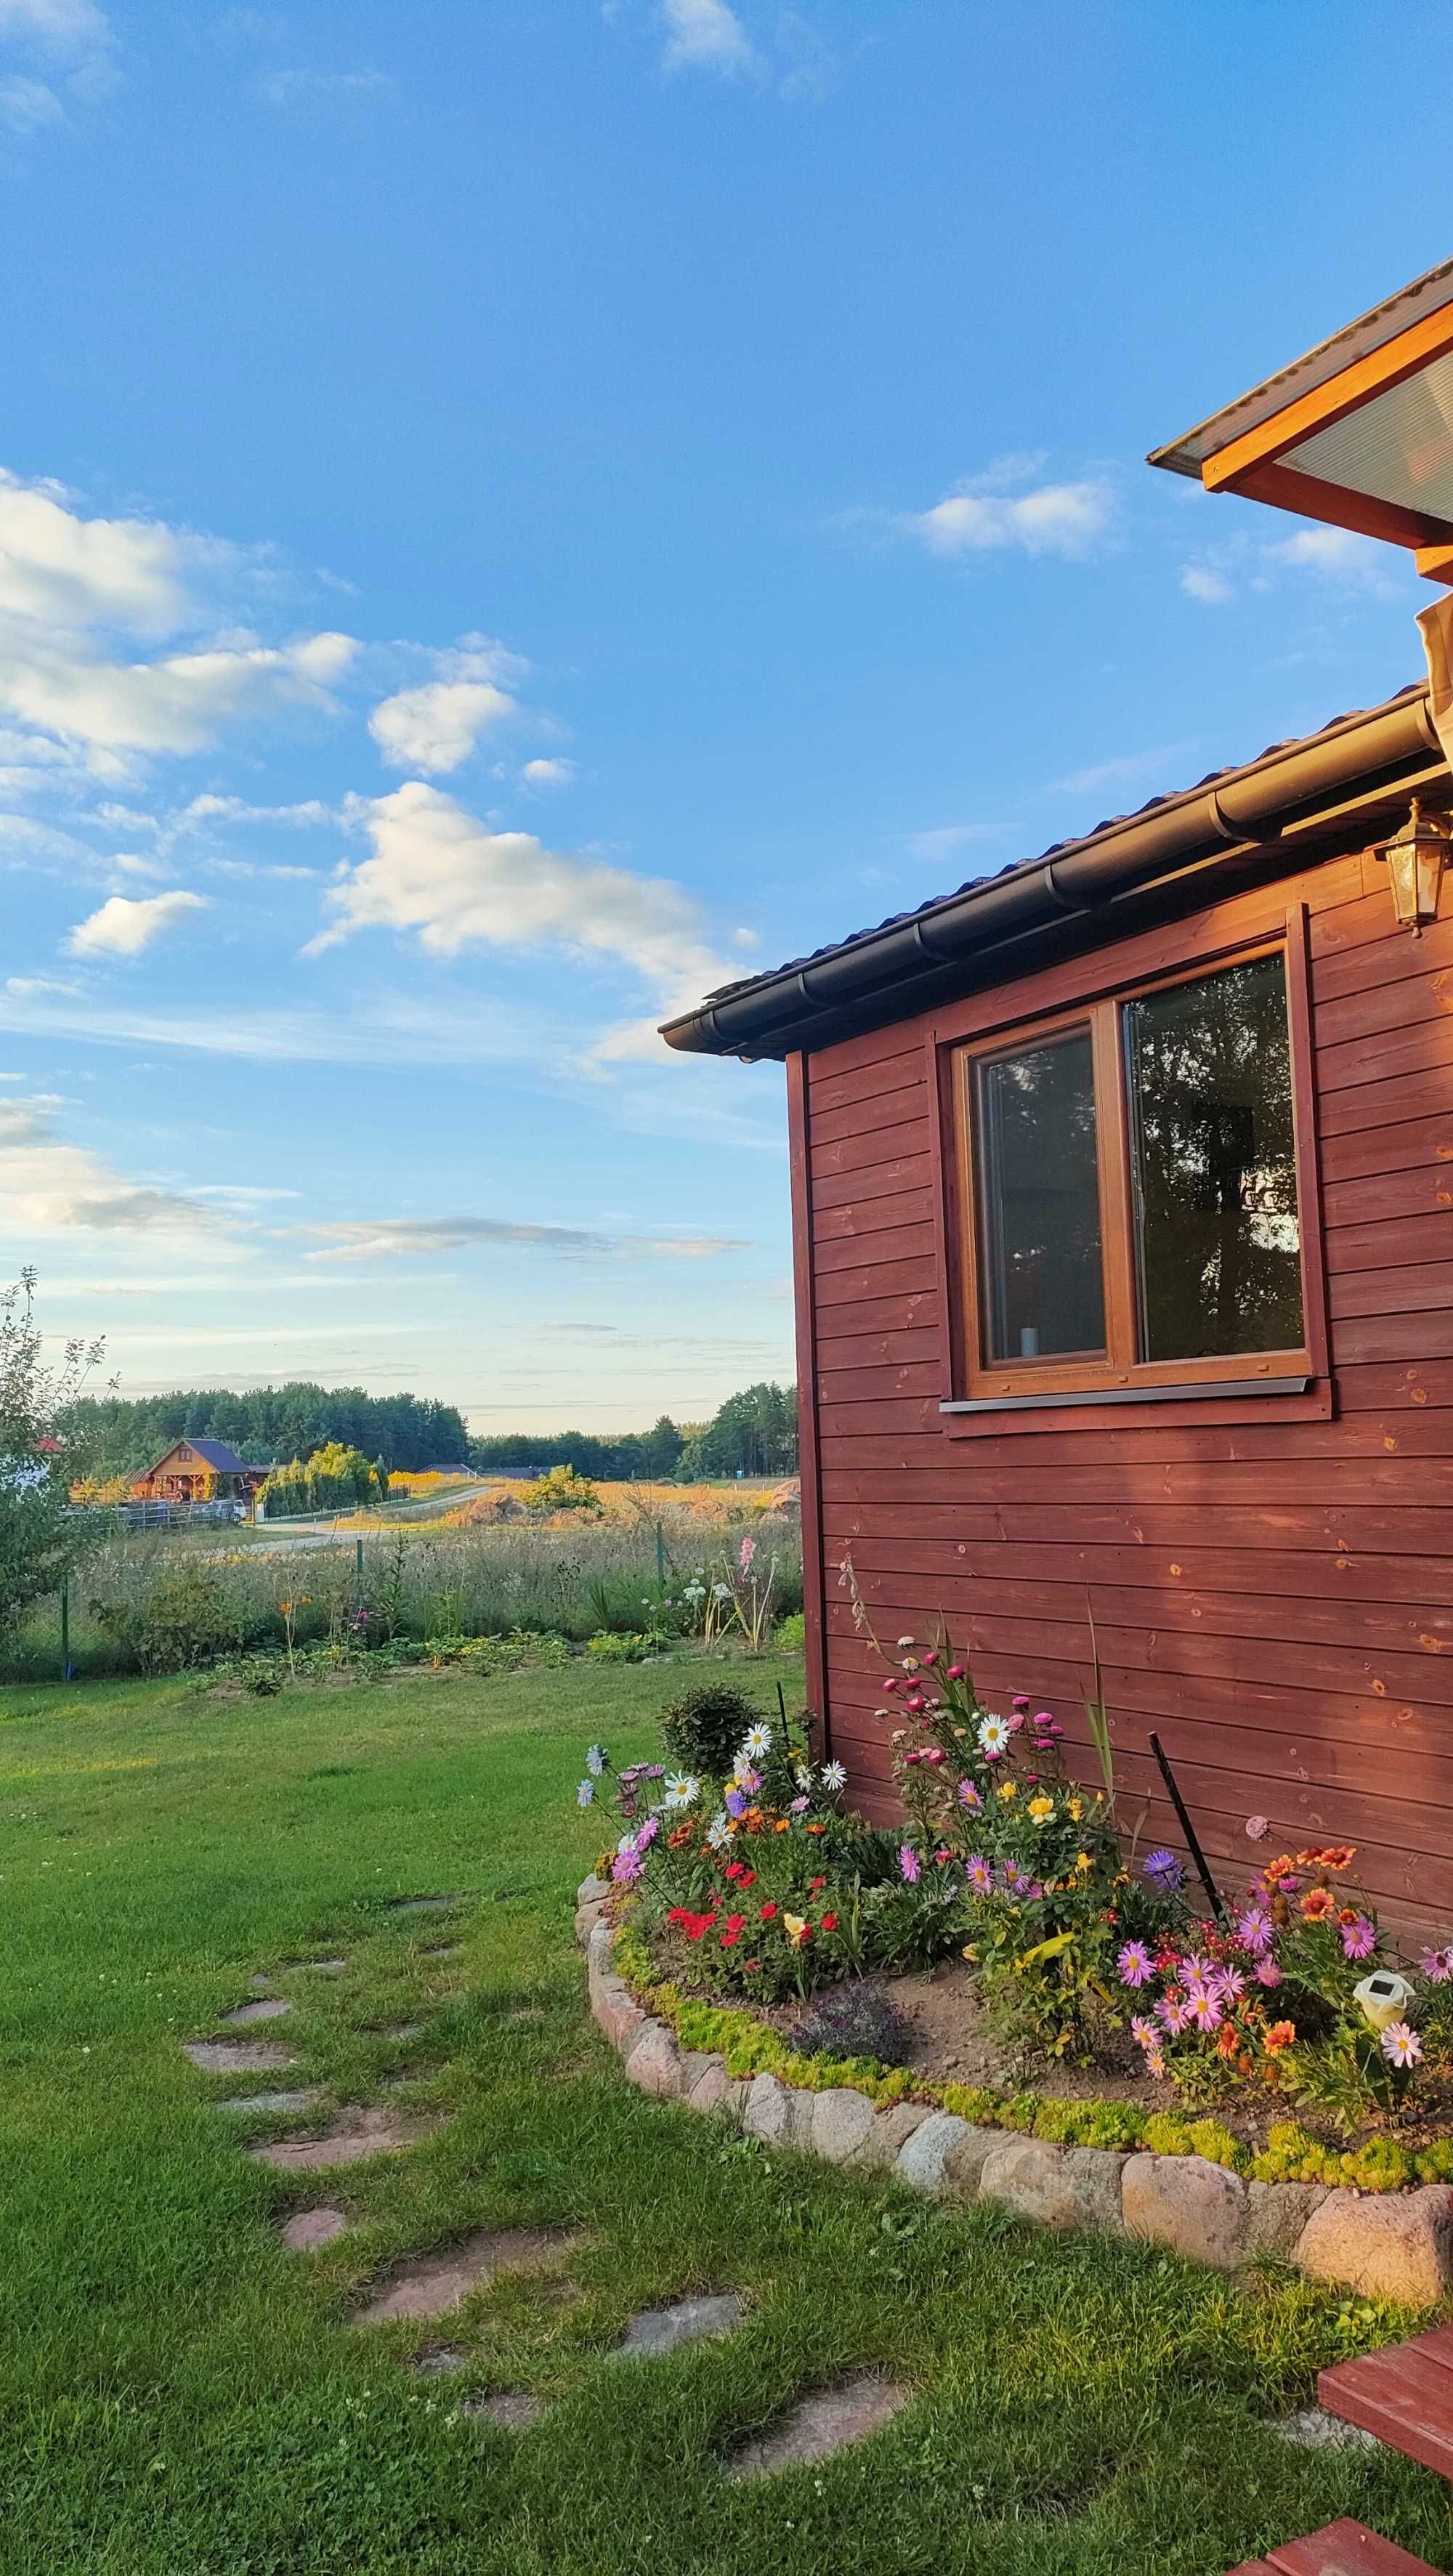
[{"x": 1273, "y": 1594}]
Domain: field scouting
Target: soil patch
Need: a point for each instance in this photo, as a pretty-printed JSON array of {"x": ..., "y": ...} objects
[
  {"x": 514, "y": 2409},
  {"x": 439, "y": 2282}
]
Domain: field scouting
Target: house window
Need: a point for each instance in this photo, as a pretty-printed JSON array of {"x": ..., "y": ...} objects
[{"x": 1130, "y": 1193}]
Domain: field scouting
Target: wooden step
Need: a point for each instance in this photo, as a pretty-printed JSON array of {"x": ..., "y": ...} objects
[
  {"x": 1343, "y": 2549},
  {"x": 1404, "y": 2395}
]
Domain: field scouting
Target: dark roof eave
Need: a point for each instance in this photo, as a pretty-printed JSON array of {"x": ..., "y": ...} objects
[{"x": 1226, "y": 817}]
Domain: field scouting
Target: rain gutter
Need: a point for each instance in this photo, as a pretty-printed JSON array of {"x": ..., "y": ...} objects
[{"x": 1237, "y": 815}]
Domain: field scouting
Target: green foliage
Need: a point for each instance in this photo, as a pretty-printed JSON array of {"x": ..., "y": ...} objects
[
  {"x": 791, "y": 1633},
  {"x": 186, "y": 1619},
  {"x": 560, "y": 1490},
  {"x": 702, "y": 1728},
  {"x": 619, "y": 1646},
  {"x": 40, "y": 1543},
  {"x": 111, "y": 1435}
]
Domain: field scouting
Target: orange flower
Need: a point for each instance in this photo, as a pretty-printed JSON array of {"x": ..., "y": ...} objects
[
  {"x": 683, "y": 1834},
  {"x": 1279, "y": 1868},
  {"x": 1317, "y": 1904},
  {"x": 1282, "y": 2034},
  {"x": 1228, "y": 2040},
  {"x": 781, "y": 1826},
  {"x": 1339, "y": 1856},
  {"x": 817, "y": 1829}
]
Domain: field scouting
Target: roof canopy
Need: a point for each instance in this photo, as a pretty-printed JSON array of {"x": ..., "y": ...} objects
[{"x": 1359, "y": 432}]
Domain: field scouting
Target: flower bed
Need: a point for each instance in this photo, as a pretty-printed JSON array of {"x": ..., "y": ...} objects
[{"x": 1097, "y": 2166}]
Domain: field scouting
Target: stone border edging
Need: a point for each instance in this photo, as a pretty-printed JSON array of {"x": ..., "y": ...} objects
[{"x": 1388, "y": 2245}]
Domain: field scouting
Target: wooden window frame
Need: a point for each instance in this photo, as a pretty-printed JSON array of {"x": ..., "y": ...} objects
[{"x": 984, "y": 1395}]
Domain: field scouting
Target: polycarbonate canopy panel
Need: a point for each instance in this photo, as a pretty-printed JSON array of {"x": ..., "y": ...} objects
[{"x": 1397, "y": 447}]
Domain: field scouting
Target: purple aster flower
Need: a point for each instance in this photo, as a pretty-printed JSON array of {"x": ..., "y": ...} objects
[
  {"x": 1194, "y": 1970},
  {"x": 1174, "y": 2016},
  {"x": 1437, "y": 1965},
  {"x": 1144, "y": 2031},
  {"x": 1227, "y": 1985},
  {"x": 585, "y": 1793},
  {"x": 653, "y": 1771},
  {"x": 735, "y": 1802},
  {"x": 1204, "y": 2011},
  {"x": 1255, "y": 1928},
  {"x": 1164, "y": 1871},
  {"x": 979, "y": 1874},
  {"x": 626, "y": 1867},
  {"x": 1359, "y": 1938},
  {"x": 1015, "y": 1880},
  {"x": 908, "y": 1862},
  {"x": 646, "y": 1833},
  {"x": 798, "y": 1807},
  {"x": 747, "y": 1778},
  {"x": 1034, "y": 1891},
  {"x": 969, "y": 1795},
  {"x": 1267, "y": 1972},
  {"x": 1135, "y": 1965},
  {"x": 1400, "y": 2044}
]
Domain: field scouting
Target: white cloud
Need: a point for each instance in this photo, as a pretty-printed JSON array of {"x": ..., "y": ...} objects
[
  {"x": 178, "y": 704},
  {"x": 1202, "y": 581},
  {"x": 73, "y": 39},
  {"x": 124, "y": 926},
  {"x": 70, "y": 571},
  {"x": 435, "y": 726},
  {"x": 47, "y": 1184},
  {"x": 439, "y": 872},
  {"x": 1054, "y": 519},
  {"x": 547, "y": 773},
  {"x": 1125, "y": 769},
  {"x": 1338, "y": 555},
  {"x": 323, "y": 89},
  {"x": 705, "y": 35},
  {"x": 946, "y": 839},
  {"x": 392, "y": 1236}
]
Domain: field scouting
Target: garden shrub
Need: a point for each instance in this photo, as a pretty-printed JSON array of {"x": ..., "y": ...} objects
[
  {"x": 628, "y": 1646},
  {"x": 702, "y": 1728},
  {"x": 791, "y": 1634},
  {"x": 186, "y": 1619}
]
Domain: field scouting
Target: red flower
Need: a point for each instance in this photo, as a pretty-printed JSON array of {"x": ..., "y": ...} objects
[
  {"x": 815, "y": 1885},
  {"x": 733, "y": 1869},
  {"x": 768, "y": 1912},
  {"x": 745, "y": 1877},
  {"x": 729, "y": 1937},
  {"x": 829, "y": 1923}
]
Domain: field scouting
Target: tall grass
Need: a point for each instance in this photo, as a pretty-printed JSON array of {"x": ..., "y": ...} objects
[{"x": 430, "y": 1582}]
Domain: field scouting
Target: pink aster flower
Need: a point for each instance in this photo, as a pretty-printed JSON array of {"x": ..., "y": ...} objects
[
  {"x": 968, "y": 1795},
  {"x": 1204, "y": 2010},
  {"x": 908, "y": 1862},
  {"x": 979, "y": 1874},
  {"x": 1227, "y": 1985},
  {"x": 1437, "y": 1965},
  {"x": 1135, "y": 1965},
  {"x": 1144, "y": 2032},
  {"x": 1255, "y": 1928},
  {"x": 1175, "y": 2015},
  {"x": 1359, "y": 1938},
  {"x": 1267, "y": 1972},
  {"x": 1400, "y": 2044}
]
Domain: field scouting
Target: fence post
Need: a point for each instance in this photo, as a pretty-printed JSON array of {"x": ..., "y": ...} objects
[
  {"x": 66, "y": 1630},
  {"x": 358, "y": 1562},
  {"x": 661, "y": 1554}
]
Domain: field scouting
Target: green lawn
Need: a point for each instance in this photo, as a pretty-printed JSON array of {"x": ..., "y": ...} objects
[{"x": 179, "y": 2396}]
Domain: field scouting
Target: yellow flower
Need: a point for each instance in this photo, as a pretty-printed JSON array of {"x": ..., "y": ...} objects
[
  {"x": 1076, "y": 1810},
  {"x": 1083, "y": 1861},
  {"x": 1041, "y": 1807},
  {"x": 795, "y": 1926},
  {"x": 1008, "y": 1789}
]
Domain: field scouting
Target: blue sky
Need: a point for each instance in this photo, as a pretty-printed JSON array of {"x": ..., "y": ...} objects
[{"x": 516, "y": 513}]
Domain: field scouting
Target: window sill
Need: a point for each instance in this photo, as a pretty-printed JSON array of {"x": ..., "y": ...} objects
[
  {"x": 1185, "y": 1393},
  {"x": 1210, "y": 1402}
]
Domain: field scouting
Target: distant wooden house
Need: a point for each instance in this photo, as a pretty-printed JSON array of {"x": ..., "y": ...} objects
[{"x": 185, "y": 1473}]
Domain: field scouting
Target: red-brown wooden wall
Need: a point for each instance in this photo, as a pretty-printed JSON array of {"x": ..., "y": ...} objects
[{"x": 1273, "y": 1593}]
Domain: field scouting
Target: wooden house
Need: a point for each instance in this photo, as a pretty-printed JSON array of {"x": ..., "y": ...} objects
[
  {"x": 1122, "y": 1189},
  {"x": 194, "y": 1471}
]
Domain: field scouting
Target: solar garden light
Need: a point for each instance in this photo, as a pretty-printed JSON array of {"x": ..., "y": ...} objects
[
  {"x": 1415, "y": 858},
  {"x": 1382, "y": 1997}
]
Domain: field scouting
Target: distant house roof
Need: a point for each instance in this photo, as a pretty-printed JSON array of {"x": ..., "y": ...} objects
[{"x": 215, "y": 1453}]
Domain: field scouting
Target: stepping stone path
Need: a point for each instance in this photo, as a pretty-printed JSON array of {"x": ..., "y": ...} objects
[
  {"x": 825, "y": 2422},
  {"x": 247, "y": 2014},
  {"x": 238, "y": 2056},
  {"x": 302, "y": 2101},
  {"x": 398, "y": 2029},
  {"x": 366, "y": 2133},
  {"x": 437, "y": 2284},
  {"x": 313, "y": 2227},
  {"x": 658, "y": 2330},
  {"x": 421, "y": 1904},
  {"x": 1313, "y": 2429},
  {"x": 514, "y": 2409},
  {"x": 441, "y": 1950},
  {"x": 439, "y": 2360},
  {"x": 324, "y": 1967}
]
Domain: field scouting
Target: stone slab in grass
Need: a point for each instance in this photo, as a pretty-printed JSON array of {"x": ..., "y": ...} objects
[
  {"x": 1389, "y": 2245},
  {"x": 324, "y": 1967},
  {"x": 238, "y": 2056},
  {"x": 439, "y": 2360},
  {"x": 1313, "y": 2429},
  {"x": 436, "y": 2283},
  {"x": 513, "y": 2409},
  {"x": 421, "y": 1904},
  {"x": 654, "y": 2331},
  {"x": 367, "y": 2133},
  {"x": 827, "y": 2421},
  {"x": 312, "y": 2228},
  {"x": 268, "y": 2008},
  {"x": 302, "y": 2100}
]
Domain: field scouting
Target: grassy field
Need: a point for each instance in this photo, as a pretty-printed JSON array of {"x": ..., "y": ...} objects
[{"x": 180, "y": 2396}]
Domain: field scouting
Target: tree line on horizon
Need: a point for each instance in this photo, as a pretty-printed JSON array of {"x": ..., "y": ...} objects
[{"x": 754, "y": 1432}]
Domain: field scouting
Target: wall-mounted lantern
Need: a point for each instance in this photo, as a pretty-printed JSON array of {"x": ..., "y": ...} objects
[{"x": 1415, "y": 858}]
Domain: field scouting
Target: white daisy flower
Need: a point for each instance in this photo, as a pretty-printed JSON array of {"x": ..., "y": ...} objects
[
  {"x": 756, "y": 1742},
  {"x": 595, "y": 1761},
  {"x": 627, "y": 1843},
  {"x": 994, "y": 1735},
  {"x": 834, "y": 1776},
  {"x": 719, "y": 1830},
  {"x": 681, "y": 1789},
  {"x": 802, "y": 1774}
]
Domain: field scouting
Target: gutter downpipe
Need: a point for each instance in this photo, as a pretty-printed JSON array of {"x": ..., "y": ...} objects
[{"x": 1242, "y": 811}]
